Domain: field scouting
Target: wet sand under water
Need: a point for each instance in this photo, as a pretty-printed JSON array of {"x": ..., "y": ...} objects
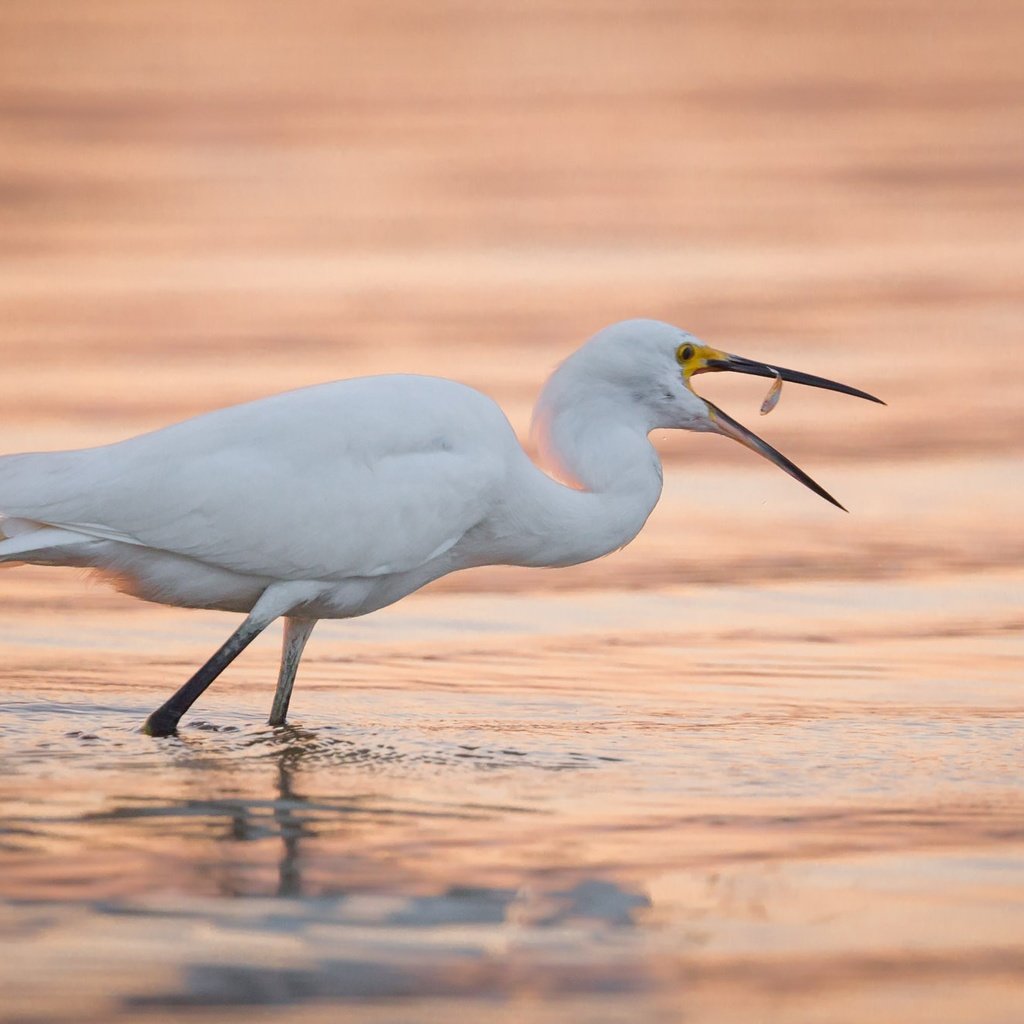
[{"x": 763, "y": 765}]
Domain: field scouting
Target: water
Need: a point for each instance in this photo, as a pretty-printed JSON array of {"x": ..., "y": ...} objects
[
  {"x": 763, "y": 765},
  {"x": 664, "y": 799}
]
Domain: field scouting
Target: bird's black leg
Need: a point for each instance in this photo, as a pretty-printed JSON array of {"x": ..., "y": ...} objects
[
  {"x": 164, "y": 721},
  {"x": 296, "y": 633}
]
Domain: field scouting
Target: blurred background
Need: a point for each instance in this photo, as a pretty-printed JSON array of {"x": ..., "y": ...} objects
[{"x": 202, "y": 203}]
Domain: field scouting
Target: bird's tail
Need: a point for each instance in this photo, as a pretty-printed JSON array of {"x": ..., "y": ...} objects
[{"x": 24, "y": 540}]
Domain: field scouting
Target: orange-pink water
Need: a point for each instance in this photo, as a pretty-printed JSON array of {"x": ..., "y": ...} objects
[{"x": 765, "y": 764}]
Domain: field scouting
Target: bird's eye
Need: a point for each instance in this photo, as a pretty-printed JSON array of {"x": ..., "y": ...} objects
[{"x": 685, "y": 353}]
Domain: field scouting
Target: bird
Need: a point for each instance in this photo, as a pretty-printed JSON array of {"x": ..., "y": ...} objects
[{"x": 335, "y": 500}]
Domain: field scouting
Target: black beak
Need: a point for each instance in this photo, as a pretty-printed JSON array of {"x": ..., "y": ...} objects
[
  {"x": 740, "y": 365},
  {"x": 722, "y": 423}
]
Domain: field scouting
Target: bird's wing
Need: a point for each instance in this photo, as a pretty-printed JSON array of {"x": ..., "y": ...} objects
[{"x": 355, "y": 478}]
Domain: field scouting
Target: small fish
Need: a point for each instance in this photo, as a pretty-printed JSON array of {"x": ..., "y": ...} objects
[{"x": 772, "y": 398}]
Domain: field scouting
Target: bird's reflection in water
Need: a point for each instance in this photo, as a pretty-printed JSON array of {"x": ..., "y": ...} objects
[
  {"x": 289, "y": 877},
  {"x": 248, "y": 819},
  {"x": 359, "y": 884},
  {"x": 295, "y": 817},
  {"x": 398, "y": 856},
  {"x": 291, "y": 826},
  {"x": 292, "y": 816}
]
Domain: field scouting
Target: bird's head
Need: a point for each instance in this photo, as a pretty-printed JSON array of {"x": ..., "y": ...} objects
[{"x": 650, "y": 365}]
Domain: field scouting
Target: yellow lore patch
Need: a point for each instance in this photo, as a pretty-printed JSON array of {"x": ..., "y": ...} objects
[{"x": 695, "y": 358}]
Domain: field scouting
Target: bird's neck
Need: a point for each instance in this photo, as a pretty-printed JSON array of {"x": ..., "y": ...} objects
[{"x": 608, "y": 477}]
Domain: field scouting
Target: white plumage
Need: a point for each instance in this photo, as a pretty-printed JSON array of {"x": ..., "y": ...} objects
[
  {"x": 338, "y": 499},
  {"x": 354, "y": 478}
]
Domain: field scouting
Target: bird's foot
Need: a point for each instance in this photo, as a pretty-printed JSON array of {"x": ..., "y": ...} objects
[{"x": 161, "y": 723}]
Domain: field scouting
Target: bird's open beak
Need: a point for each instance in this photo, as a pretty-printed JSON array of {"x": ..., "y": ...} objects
[{"x": 705, "y": 359}]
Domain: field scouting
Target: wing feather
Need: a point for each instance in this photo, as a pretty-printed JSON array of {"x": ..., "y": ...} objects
[{"x": 356, "y": 478}]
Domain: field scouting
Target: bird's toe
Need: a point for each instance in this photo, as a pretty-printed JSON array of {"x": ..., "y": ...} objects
[{"x": 161, "y": 723}]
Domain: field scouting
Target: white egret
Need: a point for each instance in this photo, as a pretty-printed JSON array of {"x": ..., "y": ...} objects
[{"x": 335, "y": 500}]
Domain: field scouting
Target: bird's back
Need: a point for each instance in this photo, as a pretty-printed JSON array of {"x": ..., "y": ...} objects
[{"x": 353, "y": 478}]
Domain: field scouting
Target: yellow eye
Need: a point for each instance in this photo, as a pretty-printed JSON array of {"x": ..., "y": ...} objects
[{"x": 684, "y": 353}]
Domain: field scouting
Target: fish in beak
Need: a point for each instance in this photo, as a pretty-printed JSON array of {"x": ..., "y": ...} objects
[{"x": 695, "y": 358}]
